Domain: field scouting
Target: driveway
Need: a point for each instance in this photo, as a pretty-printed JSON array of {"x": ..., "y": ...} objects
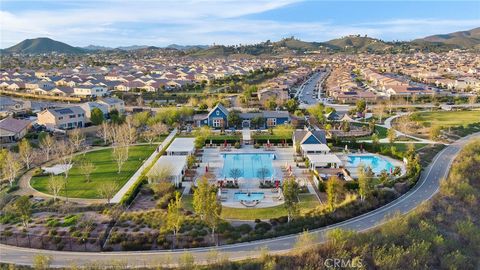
[{"x": 425, "y": 189}]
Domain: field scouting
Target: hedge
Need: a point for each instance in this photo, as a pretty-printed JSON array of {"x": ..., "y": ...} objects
[{"x": 132, "y": 192}]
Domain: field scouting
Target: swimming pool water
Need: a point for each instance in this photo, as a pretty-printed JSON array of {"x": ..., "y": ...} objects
[
  {"x": 375, "y": 162},
  {"x": 242, "y": 196},
  {"x": 249, "y": 164}
]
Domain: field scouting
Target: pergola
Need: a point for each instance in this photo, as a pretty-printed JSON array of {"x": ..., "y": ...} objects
[
  {"x": 324, "y": 160},
  {"x": 175, "y": 166},
  {"x": 181, "y": 147}
]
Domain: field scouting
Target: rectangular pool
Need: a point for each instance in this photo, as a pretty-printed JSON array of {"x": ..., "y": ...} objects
[{"x": 249, "y": 165}]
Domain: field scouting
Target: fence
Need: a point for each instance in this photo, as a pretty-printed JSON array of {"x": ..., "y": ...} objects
[
  {"x": 52, "y": 242},
  {"x": 44, "y": 97}
]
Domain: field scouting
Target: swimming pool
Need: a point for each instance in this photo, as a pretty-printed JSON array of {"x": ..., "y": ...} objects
[
  {"x": 248, "y": 164},
  {"x": 253, "y": 196},
  {"x": 375, "y": 162}
]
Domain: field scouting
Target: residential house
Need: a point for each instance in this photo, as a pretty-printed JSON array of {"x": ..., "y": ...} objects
[
  {"x": 62, "y": 118},
  {"x": 12, "y": 129},
  {"x": 113, "y": 103}
]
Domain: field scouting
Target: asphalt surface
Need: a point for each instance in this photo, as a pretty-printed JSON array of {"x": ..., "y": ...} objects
[{"x": 425, "y": 189}]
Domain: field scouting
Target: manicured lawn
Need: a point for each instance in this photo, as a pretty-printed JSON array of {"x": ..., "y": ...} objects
[
  {"x": 307, "y": 202},
  {"x": 450, "y": 119},
  {"x": 105, "y": 171}
]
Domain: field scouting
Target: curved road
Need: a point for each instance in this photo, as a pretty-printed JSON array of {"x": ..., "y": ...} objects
[{"x": 426, "y": 187}]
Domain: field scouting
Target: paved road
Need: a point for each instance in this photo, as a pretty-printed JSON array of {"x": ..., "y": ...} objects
[{"x": 427, "y": 186}]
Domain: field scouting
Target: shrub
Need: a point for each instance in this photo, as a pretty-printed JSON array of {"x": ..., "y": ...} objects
[
  {"x": 351, "y": 185},
  {"x": 322, "y": 187},
  {"x": 70, "y": 220}
]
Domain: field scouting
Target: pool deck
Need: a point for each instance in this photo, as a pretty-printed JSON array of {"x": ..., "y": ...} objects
[{"x": 212, "y": 157}]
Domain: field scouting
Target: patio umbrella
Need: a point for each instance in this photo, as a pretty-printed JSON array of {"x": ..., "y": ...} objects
[
  {"x": 346, "y": 147},
  {"x": 268, "y": 142},
  {"x": 210, "y": 141},
  {"x": 206, "y": 169},
  {"x": 225, "y": 143}
]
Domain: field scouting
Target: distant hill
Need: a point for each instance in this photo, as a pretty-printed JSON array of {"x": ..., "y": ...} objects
[
  {"x": 187, "y": 47},
  {"x": 358, "y": 43},
  {"x": 97, "y": 48},
  {"x": 133, "y": 47},
  {"x": 461, "y": 39},
  {"x": 42, "y": 45}
]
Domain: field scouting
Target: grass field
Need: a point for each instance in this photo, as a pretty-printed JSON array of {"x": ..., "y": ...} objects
[
  {"x": 307, "y": 202},
  {"x": 105, "y": 172},
  {"x": 450, "y": 119}
]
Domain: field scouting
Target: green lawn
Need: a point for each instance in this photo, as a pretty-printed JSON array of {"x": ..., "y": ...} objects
[
  {"x": 451, "y": 118},
  {"x": 307, "y": 202},
  {"x": 105, "y": 171}
]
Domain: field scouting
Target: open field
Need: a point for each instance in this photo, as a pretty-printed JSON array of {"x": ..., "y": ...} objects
[
  {"x": 105, "y": 172},
  {"x": 449, "y": 119}
]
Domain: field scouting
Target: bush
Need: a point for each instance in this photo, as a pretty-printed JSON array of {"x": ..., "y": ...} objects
[
  {"x": 237, "y": 145},
  {"x": 263, "y": 226},
  {"x": 244, "y": 228},
  {"x": 351, "y": 185},
  {"x": 322, "y": 187}
]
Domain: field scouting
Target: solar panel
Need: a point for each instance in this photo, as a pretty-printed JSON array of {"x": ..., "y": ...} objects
[{"x": 64, "y": 111}]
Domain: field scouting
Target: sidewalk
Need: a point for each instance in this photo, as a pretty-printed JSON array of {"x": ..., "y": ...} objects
[{"x": 134, "y": 178}]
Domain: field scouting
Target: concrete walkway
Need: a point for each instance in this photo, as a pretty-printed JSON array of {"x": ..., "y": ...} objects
[
  {"x": 134, "y": 178},
  {"x": 246, "y": 135}
]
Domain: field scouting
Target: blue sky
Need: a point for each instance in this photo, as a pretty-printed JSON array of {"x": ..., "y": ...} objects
[{"x": 120, "y": 23}]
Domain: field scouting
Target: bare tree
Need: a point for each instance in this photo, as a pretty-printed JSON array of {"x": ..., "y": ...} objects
[
  {"x": 235, "y": 173},
  {"x": 149, "y": 136},
  {"x": 11, "y": 167},
  {"x": 104, "y": 131},
  {"x": 159, "y": 128},
  {"x": 86, "y": 169},
  {"x": 263, "y": 173},
  {"x": 77, "y": 139},
  {"x": 26, "y": 152},
  {"x": 47, "y": 144},
  {"x": 55, "y": 185},
  {"x": 108, "y": 190},
  {"x": 65, "y": 154},
  {"x": 120, "y": 155}
]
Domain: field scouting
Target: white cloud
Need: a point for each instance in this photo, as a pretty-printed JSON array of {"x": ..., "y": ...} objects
[{"x": 120, "y": 23}]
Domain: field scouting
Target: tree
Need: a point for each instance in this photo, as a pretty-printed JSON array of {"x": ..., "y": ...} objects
[
  {"x": 201, "y": 197},
  {"x": 26, "y": 152},
  {"x": 55, "y": 185},
  {"x": 258, "y": 121},
  {"x": 361, "y": 105},
  {"x": 263, "y": 173},
  {"x": 160, "y": 173},
  {"x": 65, "y": 153},
  {"x": 76, "y": 139},
  {"x": 334, "y": 187},
  {"x": 290, "y": 197},
  {"x": 435, "y": 132},
  {"x": 284, "y": 131},
  {"x": 96, "y": 116},
  {"x": 86, "y": 168},
  {"x": 191, "y": 161},
  {"x": 472, "y": 99},
  {"x": 345, "y": 126},
  {"x": 234, "y": 119},
  {"x": 214, "y": 210},
  {"x": 380, "y": 111},
  {"x": 120, "y": 155},
  {"x": 391, "y": 135},
  {"x": 365, "y": 181},
  {"x": 375, "y": 141},
  {"x": 10, "y": 166},
  {"x": 270, "y": 104},
  {"x": 47, "y": 144},
  {"x": 291, "y": 105},
  {"x": 23, "y": 208},
  {"x": 384, "y": 177},
  {"x": 108, "y": 190},
  {"x": 201, "y": 134},
  {"x": 175, "y": 217},
  {"x": 235, "y": 173},
  {"x": 104, "y": 132}
]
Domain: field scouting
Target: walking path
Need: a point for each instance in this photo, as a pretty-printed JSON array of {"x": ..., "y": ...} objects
[
  {"x": 246, "y": 135},
  {"x": 134, "y": 178},
  {"x": 427, "y": 186}
]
